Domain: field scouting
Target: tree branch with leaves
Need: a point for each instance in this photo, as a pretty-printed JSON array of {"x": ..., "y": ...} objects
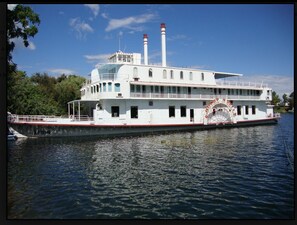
[{"x": 22, "y": 23}]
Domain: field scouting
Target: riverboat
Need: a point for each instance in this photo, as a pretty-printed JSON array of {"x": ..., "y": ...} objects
[{"x": 127, "y": 96}]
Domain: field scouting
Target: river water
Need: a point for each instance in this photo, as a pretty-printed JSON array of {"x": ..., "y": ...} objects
[{"x": 237, "y": 173}]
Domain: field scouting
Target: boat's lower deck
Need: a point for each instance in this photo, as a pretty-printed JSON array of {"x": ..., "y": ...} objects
[{"x": 38, "y": 129}]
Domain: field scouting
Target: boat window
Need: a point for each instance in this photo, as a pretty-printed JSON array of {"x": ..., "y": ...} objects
[
  {"x": 117, "y": 87},
  {"x": 152, "y": 89},
  {"x": 134, "y": 112},
  {"x": 171, "y": 74},
  {"x": 253, "y": 109},
  {"x": 189, "y": 90},
  {"x": 240, "y": 91},
  {"x": 156, "y": 89},
  {"x": 246, "y": 109},
  {"x": 104, "y": 87},
  {"x": 135, "y": 72},
  {"x": 228, "y": 91},
  {"x": 132, "y": 88},
  {"x": 151, "y": 103},
  {"x": 150, "y": 72},
  {"x": 191, "y": 76},
  {"x": 137, "y": 88},
  {"x": 115, "y": 111},
  {"x": 109, "y": 86},
  {"x": 165, "y": 74},
  {"x": 183, "y": 111},
  {"x": 92, "y": 89},
  {"x": 97, "y": 87},
  {"x": 181, "y": 75},
  {"x": 162, "y": 89},
  {"x": 100, "y": 87},
  {"x": 171, "y": 111},
  {"x": 143, "y": 88},
  {"x": 238, "y": 110},
  {"x": 202, "y": 76}
]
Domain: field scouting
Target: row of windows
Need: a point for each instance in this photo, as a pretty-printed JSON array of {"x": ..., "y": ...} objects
[
  {"x": 188, "y": 90},
  {"x": 103, "y": 87},
  {"x": 115, "y": 111},
  {"x": 181, "y": 74},
  {"x": 240, "y": 91},
  {"x": 246, "y": 110}
]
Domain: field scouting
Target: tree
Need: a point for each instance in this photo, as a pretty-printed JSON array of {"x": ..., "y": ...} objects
[
  {"x": 45, "y": 83},
  {"x": 285, "y": 99},
  {"x": 275, "y": 99},
  {"x": 291, "y": 100},
  {"x": 28, "y": 98},
  {"x": 21, "y": 23},
  {"x": 68, "y": 90}
]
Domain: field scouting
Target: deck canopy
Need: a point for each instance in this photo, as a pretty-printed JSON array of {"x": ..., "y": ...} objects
[
  {"x": 219, "y": 75},
  {"x": 76, "y": 104}
]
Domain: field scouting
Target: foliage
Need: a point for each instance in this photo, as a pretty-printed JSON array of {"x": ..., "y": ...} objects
[
  {"x": 67, "y": 90},
  {"x": 45, "y": 83},
  {"x": 275, "y": 99},
  {"x": 41, "y": 93},
  {"x": 21, "y": 23},
  {"x": 291, "y": 100}
]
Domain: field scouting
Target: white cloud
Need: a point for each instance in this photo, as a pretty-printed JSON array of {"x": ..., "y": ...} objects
[
  {"x": 61, "y": 71},
  {"x": 100, "y": 58},
  {"x": 11, "y": 6},
  {"x": 279, "y": 83},
  {"x": 94, "y": 7},
  {"x": 105, "y": 15},
  {"x": 130, "y": 22},
  {"x": 31, "y": 46},
  {"x": 19, "y": 43},
  {"x": 178, "y": 37},
  {"x": 80, "y": 27}
]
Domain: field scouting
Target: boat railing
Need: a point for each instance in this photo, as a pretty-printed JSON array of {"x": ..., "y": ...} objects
[
  {"x": 46, "y": 118},
  {"x": 81, "y": 118},
  {"x": 192, "y": 96},
  {"x": 107, "y": 76},
  {"x": 32, "y": 118},
  {"x": 242, "y": 84}
]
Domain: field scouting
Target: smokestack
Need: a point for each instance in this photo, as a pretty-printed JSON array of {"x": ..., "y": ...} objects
[
  {"x": 163, "y": 43},
  {"x": 145, "y": 49}
]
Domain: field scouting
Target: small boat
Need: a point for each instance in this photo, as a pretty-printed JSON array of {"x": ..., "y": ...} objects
[
  {"x": 291, "y": 110},
  {"x": 11, "y": 136}
]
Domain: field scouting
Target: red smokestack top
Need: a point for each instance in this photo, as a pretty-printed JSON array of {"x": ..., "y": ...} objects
[
  {"x": 163, "y": 25},
  {"x": 145, "y": 36}
]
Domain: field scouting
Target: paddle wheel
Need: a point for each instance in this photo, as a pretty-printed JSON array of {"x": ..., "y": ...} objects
[{"x": 219, "y": 111}]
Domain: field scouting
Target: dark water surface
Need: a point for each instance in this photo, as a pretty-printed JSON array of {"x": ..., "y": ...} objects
[{"x": 214, "y": 174}]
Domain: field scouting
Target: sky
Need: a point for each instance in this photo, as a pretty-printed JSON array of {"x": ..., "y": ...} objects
[{"x": 256, "y": 40}]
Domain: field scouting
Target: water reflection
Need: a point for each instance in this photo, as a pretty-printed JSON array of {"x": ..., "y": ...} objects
[{"x": 224, "y": 173}]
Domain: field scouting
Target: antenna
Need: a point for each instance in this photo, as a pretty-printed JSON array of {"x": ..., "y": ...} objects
[
  {"x": 120, "y": 35},
  {"x": 119, "y": 43}
]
